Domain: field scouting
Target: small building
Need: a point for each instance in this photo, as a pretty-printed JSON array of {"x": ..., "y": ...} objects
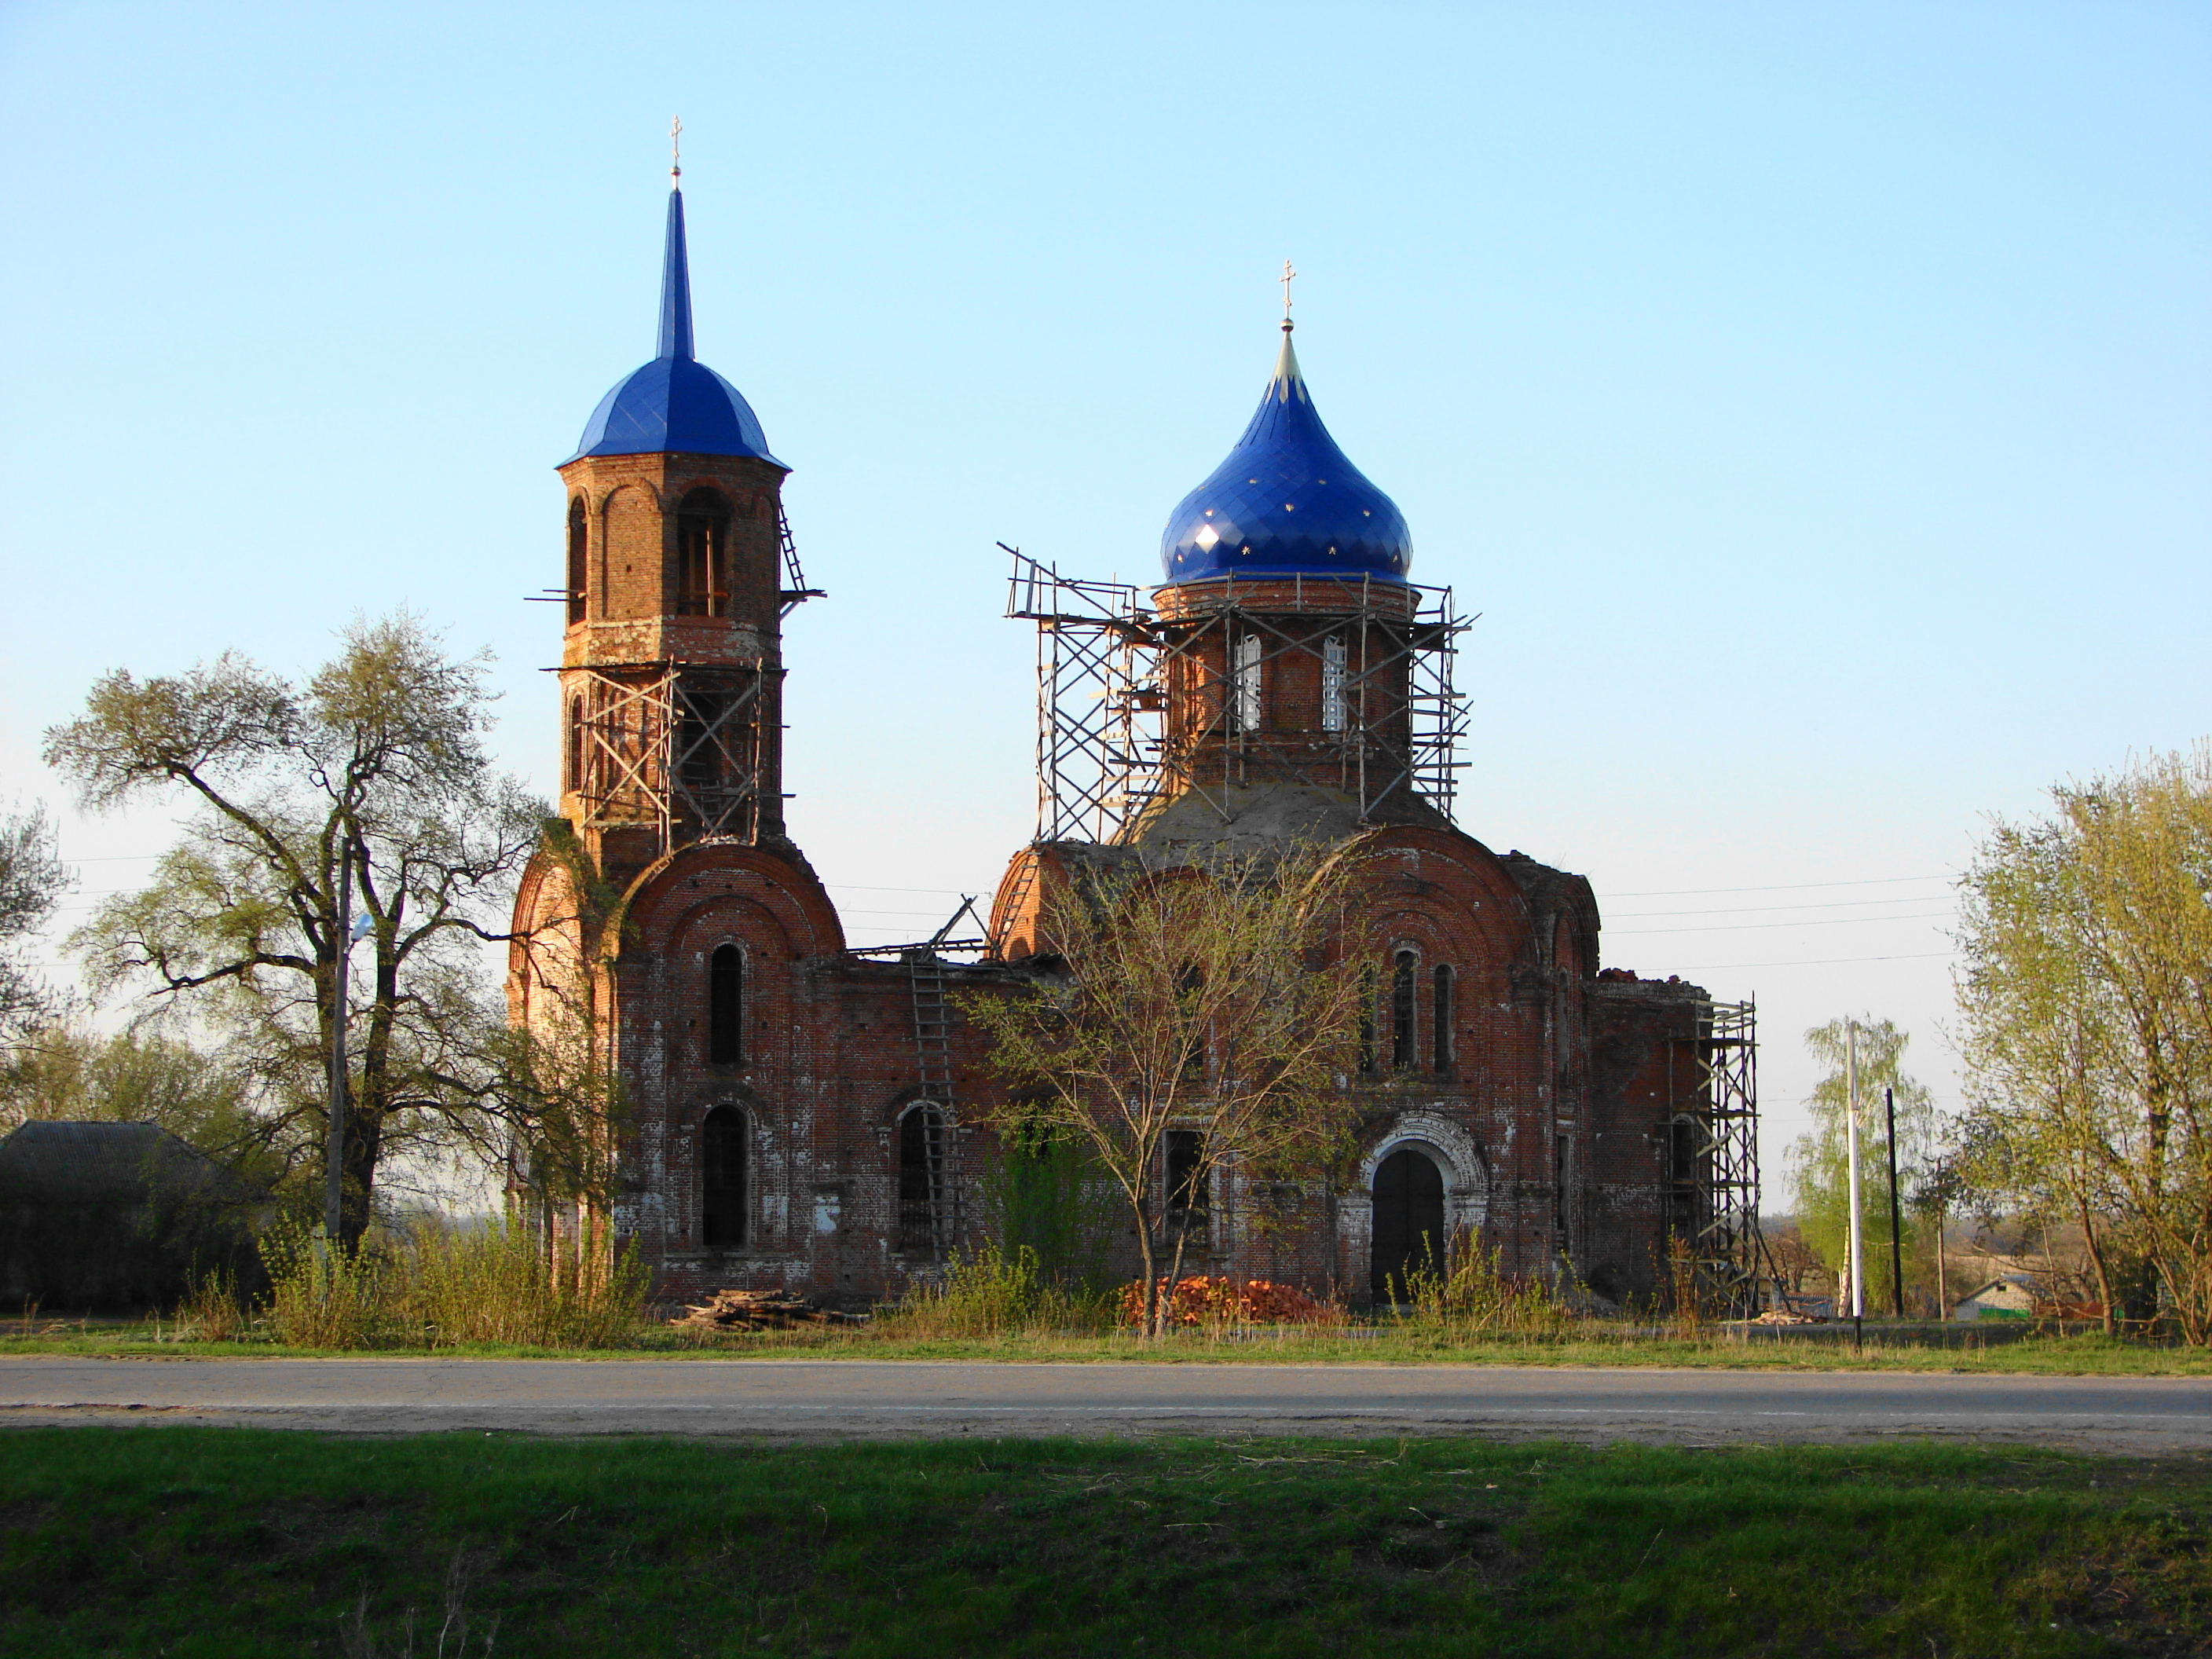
[
  {"x": 117, "y": 1215},
  {"x": 2008, "y": 1296}
]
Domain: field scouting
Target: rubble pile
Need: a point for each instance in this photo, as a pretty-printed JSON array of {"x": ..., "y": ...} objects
[{"x": 759, "y": 1310}]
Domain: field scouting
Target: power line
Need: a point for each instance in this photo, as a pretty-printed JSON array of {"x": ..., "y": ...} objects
[
  {"x": 1762, "y": 909},
  {"x": 1748, "y": 927},
  {"x": 1786, "y": 887},
  {"x": 1814, "y": 962}
]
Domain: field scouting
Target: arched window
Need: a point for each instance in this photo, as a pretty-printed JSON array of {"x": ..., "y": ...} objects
[
  {"x": 723, "y": 1179},
  {"x": 1244, "y": 699},
  {"x": 576, "y": 744},
  {"x": 702, "y": 537},
  {"x": 1188, "y": 1212},
  {"x": 726, "y": 1006},
  {"x": 1335, "y": 682},
  {"x": 578, "y": 564},
  {"x": 1405, "y": 1053},
  {"x": 925, "y": 1182},
  {"x": 1440, "y": 1020}
]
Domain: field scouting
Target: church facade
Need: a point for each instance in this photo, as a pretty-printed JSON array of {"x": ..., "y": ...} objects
[{"x": 801, "y": 1115}]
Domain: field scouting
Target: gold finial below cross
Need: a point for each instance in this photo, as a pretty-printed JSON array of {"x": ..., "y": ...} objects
[
  {"x": 675, "y": 148},
  {"x": 1285, "y": 280}
]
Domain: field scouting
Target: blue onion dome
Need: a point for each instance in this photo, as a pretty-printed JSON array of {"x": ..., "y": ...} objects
[
  {"x": 675, "y": 404},
  {"x": 1286, "y": 502}
]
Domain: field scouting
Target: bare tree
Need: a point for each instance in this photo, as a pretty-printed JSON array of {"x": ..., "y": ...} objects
[
  {"x": 377, "y": 763},
  {"x": 1207, "y": 1000}
]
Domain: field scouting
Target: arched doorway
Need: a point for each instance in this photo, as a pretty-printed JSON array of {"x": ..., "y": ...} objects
[{"x": 1409, "y": 1221}]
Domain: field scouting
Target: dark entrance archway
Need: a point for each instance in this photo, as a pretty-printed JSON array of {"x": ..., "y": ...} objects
[{"x": 1409, "y": 1221}]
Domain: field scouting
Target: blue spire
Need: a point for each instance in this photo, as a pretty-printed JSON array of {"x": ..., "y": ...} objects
[
  {"x": 675, "y": 286},
  {"x": 675, "y": 404},
  {"x": 1287, "y": 502}
]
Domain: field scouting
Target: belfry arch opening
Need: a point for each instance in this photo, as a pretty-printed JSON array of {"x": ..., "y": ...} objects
[
  {"x": 579, "y": 568},
  {"x": 702, "y": 555},
  {"x": 1408, "y": 1236}
]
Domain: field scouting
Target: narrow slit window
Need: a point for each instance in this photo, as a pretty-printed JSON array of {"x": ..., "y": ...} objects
[
  {"x": 1245, "y": 686},
  {"x": 1403, "y": 1051},
  {"x": 726, "y": 1006},
  {"x": 578, "y": 563},
  {"x": 575, "y": 769},
  {"x": 1366, "y": 1022},
  {"x": 1440, "y": 1021},
  {"x": 1335, "y": 682},
  {"x": 723, "y": 1179}
]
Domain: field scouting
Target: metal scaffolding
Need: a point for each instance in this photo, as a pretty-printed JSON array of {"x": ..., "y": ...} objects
[
  {"x": 1390, "y": 717},
  {"x": 672, "y": 745},
  {"x": 1713, "y": 1163}
]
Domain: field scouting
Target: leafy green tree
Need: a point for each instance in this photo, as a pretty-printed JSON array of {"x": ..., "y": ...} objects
[
  {"x": 376, "y": 761},
  {"x": 2086, "y": 1003},
  {"x": 1820, "y": 1161},
  {"x": 32, "y": 880}
]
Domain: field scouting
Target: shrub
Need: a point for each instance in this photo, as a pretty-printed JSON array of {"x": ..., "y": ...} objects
[
  {"x": 442, "y": 1288},
  {"x": 1474, "y": 1296},
  {"x": 989, "y": 1293},
  {"x": 322, "y": 1297}
]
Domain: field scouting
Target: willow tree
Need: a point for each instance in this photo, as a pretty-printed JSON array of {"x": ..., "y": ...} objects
[
  {"x": 1205, "y": 1000},
  {"x": 1819, "y": 1159},
  {"x": 2086, "y": 998},
  {"x": 372, "y": 774}
]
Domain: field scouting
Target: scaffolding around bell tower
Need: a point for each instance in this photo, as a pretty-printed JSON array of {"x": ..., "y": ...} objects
[{"x": 1112, "y": 670}]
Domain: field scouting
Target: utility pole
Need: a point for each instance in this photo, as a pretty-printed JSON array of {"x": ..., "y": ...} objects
[
  {"x": 1851, "y": 1141},
  {"x": 334, "y": 1174},
  {"x": 1896, "y": 1232}
]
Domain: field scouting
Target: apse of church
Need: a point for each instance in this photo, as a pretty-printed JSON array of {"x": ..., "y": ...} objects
[{"x": 799, "y": 1114}]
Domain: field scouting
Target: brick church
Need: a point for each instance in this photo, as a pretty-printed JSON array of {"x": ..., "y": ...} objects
[{"x": 802, "y": 1114}]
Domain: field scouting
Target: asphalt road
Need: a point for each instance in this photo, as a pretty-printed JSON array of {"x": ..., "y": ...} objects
[{"x": 848, "y": 1399}]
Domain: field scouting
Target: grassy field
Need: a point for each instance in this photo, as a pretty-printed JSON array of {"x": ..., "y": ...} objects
[
  {"x": 2079, "y": 1355},
  {"x": 239, "y": 1543}
]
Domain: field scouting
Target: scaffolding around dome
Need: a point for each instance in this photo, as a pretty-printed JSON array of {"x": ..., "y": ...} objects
[{"x": 1106, "y": 750}]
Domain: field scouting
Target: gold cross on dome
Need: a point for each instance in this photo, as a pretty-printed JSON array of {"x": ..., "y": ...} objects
[
  {"x": 1285, "y": 280},
  {"x": 675, "y": 148}
]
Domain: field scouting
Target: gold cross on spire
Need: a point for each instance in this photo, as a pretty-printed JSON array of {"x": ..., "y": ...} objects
[
  {"x": 1285, "y": 280},
  {"x": 675, "y": 148}
]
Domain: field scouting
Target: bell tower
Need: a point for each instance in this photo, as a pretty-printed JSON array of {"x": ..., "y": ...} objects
[{"x": 672, "y": 666}]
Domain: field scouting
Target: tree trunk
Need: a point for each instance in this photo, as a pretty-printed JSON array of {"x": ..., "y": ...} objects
[{"x": 2096, "y": 1249}]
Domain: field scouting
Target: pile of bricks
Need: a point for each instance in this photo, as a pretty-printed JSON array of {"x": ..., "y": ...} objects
[
  {"x": 1204, "y": 1299},
  {"x": 759, "y": 1310}
]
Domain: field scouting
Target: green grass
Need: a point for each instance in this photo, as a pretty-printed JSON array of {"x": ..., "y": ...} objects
[
  {"x": 2077, "y": 1355},
  {"x": 240, "y": 1543}
]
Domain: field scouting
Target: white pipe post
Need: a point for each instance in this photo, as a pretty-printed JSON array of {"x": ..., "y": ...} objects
[
  {"x": 334, "y": 1173},
  {"x": 1851, "y": 1141}
]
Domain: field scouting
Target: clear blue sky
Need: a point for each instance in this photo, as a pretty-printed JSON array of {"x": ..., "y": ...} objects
[{"x": 1816, "y": 401}]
